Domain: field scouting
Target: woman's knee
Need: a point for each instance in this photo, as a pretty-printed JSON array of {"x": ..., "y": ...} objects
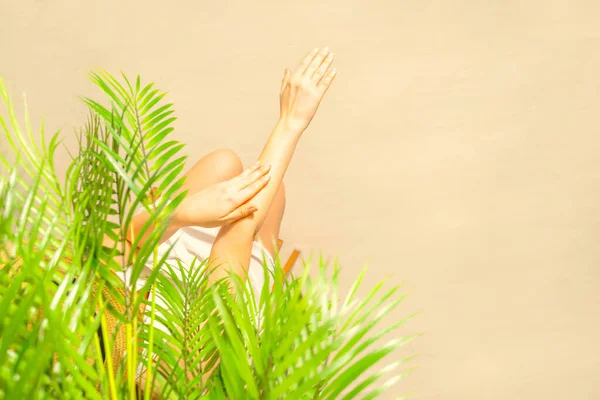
[{"x": 226, "y": 164}]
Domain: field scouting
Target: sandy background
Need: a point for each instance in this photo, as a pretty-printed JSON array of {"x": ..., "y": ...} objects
[{"x": 457, "y": 152}]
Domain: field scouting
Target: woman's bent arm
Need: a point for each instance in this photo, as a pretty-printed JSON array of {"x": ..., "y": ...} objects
[{"x": 219, "y": 203}]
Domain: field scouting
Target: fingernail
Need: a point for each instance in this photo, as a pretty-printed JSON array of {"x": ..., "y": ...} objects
[
  {"x": 253, "y": 209},
  {"x": 256, "y": 164}
]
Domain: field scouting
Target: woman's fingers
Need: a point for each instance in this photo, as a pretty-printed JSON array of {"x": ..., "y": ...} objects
[
  {"x": 252, "y": 177},
  {"x": 327, "y": 79},
  {"x": 251, "y": 190},
  {"x": 316, "y": 62},
  {"x": 322, "y": 70},
  {"x": 256, "y": 181},
  {"x": 241, "y": 212},
  {"x": 246, "y": 173},
  {"x": 306, "y": 62}
]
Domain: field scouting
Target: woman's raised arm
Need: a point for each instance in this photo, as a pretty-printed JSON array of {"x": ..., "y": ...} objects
[{"x": 301, "y": 93}]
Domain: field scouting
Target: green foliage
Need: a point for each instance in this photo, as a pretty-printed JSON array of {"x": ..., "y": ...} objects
[{"x": 61, "y": 241}]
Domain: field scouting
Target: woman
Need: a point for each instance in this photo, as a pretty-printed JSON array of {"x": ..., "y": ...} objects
[
  {"x": 230, "y": 216},
  {"x": 226, "y": 208}
]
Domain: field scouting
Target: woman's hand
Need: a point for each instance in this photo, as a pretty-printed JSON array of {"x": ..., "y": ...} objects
[
  {"x": 223, "y": 202},
  {"x": 302, "y": 90}
]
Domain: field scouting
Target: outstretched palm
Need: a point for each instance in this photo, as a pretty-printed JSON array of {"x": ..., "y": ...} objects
[{"x": 302, "y": 90}]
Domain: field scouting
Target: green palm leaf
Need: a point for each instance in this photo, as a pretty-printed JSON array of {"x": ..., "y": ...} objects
[{"x": 58, "y": 288}]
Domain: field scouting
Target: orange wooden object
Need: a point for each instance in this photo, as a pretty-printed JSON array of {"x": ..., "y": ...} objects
[
  {"x": 290, "y": 262},
  {"x": 287, "y": 267}
]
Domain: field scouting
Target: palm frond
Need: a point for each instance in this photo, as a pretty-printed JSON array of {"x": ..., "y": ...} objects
[{"x": 293, "y": 342}]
